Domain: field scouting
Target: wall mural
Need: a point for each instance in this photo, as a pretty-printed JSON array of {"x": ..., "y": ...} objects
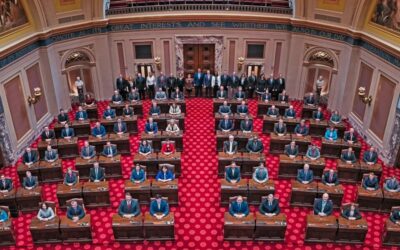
[
  {"x": 387, "y": 14},
  {"x": 12, "y": 15}
]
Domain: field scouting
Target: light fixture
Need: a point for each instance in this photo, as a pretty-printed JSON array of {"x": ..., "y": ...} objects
[
  {"x": 37, "y": 93},
  {"x": 363, "y": 96},
  {"x": 157, "y": 61},
  {"x": 240, "y": 63}
]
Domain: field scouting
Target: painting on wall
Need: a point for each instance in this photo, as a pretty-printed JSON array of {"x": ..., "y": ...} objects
[
  {"x": 387, "y": 14},
  {"x": 12, "y": 15}
]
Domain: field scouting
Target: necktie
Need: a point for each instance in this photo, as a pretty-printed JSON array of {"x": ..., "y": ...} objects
[
  {"x": 129, "y": 205},
  {"x": 165, "y": 176},
  {"x": 119, "y": 127},
  {"x": 230, "y": 146},
  {"x": 151, "y": 126},
  {"x": 226, "y": 124},
  {"x": 270, "y": 203},
  {"x": 323, "y": 206},
  {"x": 87, "y": 151},
  {"x": 109, "y": 151},
  {"x": 240, "y": 206},
  {"x": 96, "y": 172},
  {"x": 67, "y": 130},
  {"x": 47, "y": 134},
  {"x": 330, "y": 178},
  {"x": 29, "y": 157},
  {"x": 81, "y": 114},
  {"x": 159, "y": 205},
  {"x": 370, "y": 155}
]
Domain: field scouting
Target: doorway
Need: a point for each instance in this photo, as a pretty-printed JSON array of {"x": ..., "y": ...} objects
[{"x": 198, "y": 56}]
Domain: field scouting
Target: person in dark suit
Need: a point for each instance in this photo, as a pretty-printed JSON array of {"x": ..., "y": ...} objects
[
  {"x": 335, "y": 117},
  {"x": 134, "y": 96},
  {"x": 47, "y": 134},
  {"x": 198, "y": 82},
  {"x": 391, "y": 184},
  {"x": 164, "y": 174},
  {"x": 251, "y": 84},
  {"x": 331, "y": 134},
  {"x": 207, "y": 78},
  {"x": 283, "y": 97},
  {"x": 63, "y": 117},
  {"x": 230, "y": 146},
  {"x": 226, "y": 124},
  {"x": 159, "y": 207},
  {"x": 29, "y": 182},
  {"x": 127, "y": 111},
  {"x": 225, "y": 109},
  {"x": 292, "y": 150},
  {"x": 260, "y": 173},
  {"x": 30, "y": 156},
  {"x": 261, "y": 85},
  {"x": 50, "y": 155},
  {"x": 97, "y": 173},
  {"x": 233, "y": 83},
  {"x": 221, "y": 93},
  {"x": 99, "y": 130},
  {"x": 350, "y": 136},
  {"x": 225, "y": 80},
  {"x": 310, "y": 99},
  {"x": 109, "y": 150},
  {"x": 242, "y": 82},
  {"x": 117, "y": 98},
  {"x": 290, "y": 112},
  {"x": 240, "y": 95},
  {"x": 280, "y": 128},
  {"x": 270, "y": 84},
  {"x": 305, "y": 175},
  {"x": 370, "y": 156},
  {"x": 171, "y": 84},
  {"x": 232, "y": 173},
  {"x": 351, "y": 213},
  {"x": 151, "y": 127},
  {"x": 269, "y": 206},
  {"x": 155, "y": 109},
  {"x": 246, "y": 125},
  {"x": 395, "y": 216},
  {"x": 81, "y": 114},
  {"x": 138, "y": 175},
  {"x": 254, "y": 145},
  {"x": 121, "y": 85},
  {"x": 324, "y": 206},
  {"x": 145, "y": 148},
  {"x": 160, "y": 95},
  {"x": 242, "y": 109},
  {"x": 88, "y": 151},
  {"x": 6, "y": 184},
  {"x": 266, "y": 97},
  {"x": 70, "y": 178},
  {"x": 129, "y": 207},
  {"x": 330, "y": 178},
  {"x": 313, "y": 152},
  {"x": 177, "y": 94},
  {"x": 140, "y": 83},
  {"x": 109, "y": 113},
  {"x": 370, "y": 182},
  {"x": 318, "y": 115},
  {"x": 281, "y": 83},
  {"x": 301, "y": 129},
  {"x": 239, "y": 208},
  {"x": 75, "y": 212},
  {"x": 162, "y": 82},
  {"x": 273, "y": 111},
  {"x": 120, "y": 126},
  {"x": 348, "y": 156}
]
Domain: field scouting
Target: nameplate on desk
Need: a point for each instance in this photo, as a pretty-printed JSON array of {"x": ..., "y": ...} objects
[{"x": 225, "y": 186}]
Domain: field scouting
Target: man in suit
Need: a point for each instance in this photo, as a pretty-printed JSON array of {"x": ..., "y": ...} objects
[
  {"x": 324, "y": 206},
  {"x": 50, "y": 155},
  {"x": 81, "y": 114},
  {"x": 310, "y": 99},
  {"x": 273, "y": 111},
  {"x": 230, "y": 146},
  {"x": 155, "y": 109},
  {"x": 47, "y": 134},
  {"x": 260, "y": 173},
  {"x": 121, "y": 85},
  {"x": 96, "y": 173},
  {"x": 254, "y": 145},
  {"x": 351, "y": 213},
  {"x": 207, "y": 84},
  {"x": 370, "y": 182},
  {"x": 88, "y": 151},
  {"x": 160, "y": 95},
  {"x": 330, "y": 178},
  {"x": 226, "y": 124},
  {"x": 350, "y": 136},
  {"x": 63, "y": 117},
  {"x": 283, "y": 97},
  {"x": 270, "y": 83},
  {"x": 177, "y": 95},
  {"x": 280, "y": 83},
  {"x": 134, "y": 96},
  {"x": 198, "y": 82},
  {"x": 6, "y": 184},
  {"x": 159, "y": 207},
  {"x": 151, "y": 127},
  {"x": 99, "y": 130},
  {"x": 370, "y": 156},
  {"x": 138, "y": 175},
  {"x": 117, "y": 97},
  {"x": 233, "y": 84},
  {"x": 280, "y": 128},
  {"x": 290, "y": 112},
  {"x": 221, "y": 93},
  {"x": 266, "y": 97},
  {"x": 120, "y": 127},
  {"x": 391, "y": 184},
  {"x": 140, "y": 83},
  {"x": 292, "y": 150},
  {"x": 29, "y": 182},
  {"x": 251, "y": 84},
  {"x": 335, "y": 117},
  {"x": 30, "y": 156},
  {"x": 305, "y": 175},
  {"x": 301, "y": 129},
  {"x": 318, "y": 115},
  {"x": 162, "y": 81},
  {"x": 395, "y": 216},
  {"x": 70, "y": 178},
  {"x": 240, "y": 95},
  {"x": 225, "y": 80},
  {"x": 129, "y": 207},
  {"x": 109, "y": 113},
  {"x": 224, "y": 109},
  {"x": 67, "y": 132},
  {"x": 242, "y": 109},
  {"x": 246, "y": 125},
  {"x": 109, "y": 150},
  {"x": 232, "y": 173},
  {"x": 171, "y": 84},
  {"x": 348, "y": 156},
  {"x": 313, "y": 152},
  {"x": 239, "y": 208},
  {"x": 127, "y": 111},
  {"x": 269, "y": 206},
  {"x": 75, "y": 212},
  {"x": 331, "y": 134}
]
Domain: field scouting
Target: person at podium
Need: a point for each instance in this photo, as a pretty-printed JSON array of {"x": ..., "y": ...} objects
[
  {"x": 270, "y": 206},
  {"x": 266, "y": 97},
  {"x": 129, "y": 207},
  {"x": 70, "y": 178},
  {"x": 330, "y": 178},
  {"x": 160, "y": 95},
  {"x": 47, "y": 134},
  {"x": 145, "y": 148},
  {"x": 172, "y": 127},
  {"x": 120, "y": 127},
  {"x": 351, "y": 213},
  {"x": 164, "y": 174},
  {"x": 221, "y": 93},
  {"x": 96, "y": 173},
  {"x": 310, "y": 100},
  {"x": 138, "y": 175},
  {"x": 305, "y": 175},
  {"x": 230, "y": 146},
  {"x": 324, "y": 206},
  {"x": 240, "y": 95},
  {"x": 318, "y": 115},
  {"x": 159, "y": 207},
  {"x": 226, "y": 125},
  {"x": 50, "y": 155},
  {"x": 331, "y": 134},
  {"x": 260, "y": 174},
  {"x": 280, "y": 128},
  {"x": 116, "y": 98},
  {"x": 3, "y": 215},
  {"x": 395, "y": 216},
  {"x": 6, "y": 184},
  {"x": 246, "y": 125},
  {"x": 168, "y": 147},
  {"x": 81, "y": 115},
  {"x": 283, "y": 97},
  {"x": 348, "y": 156},
  {"x": 370, "y": 157},
  {"x": 273, "y": 111},
  {"x": 75, "y": 212},
  {"x": 243, "y": 109},
  {"x": 88, "y": 151},
  {"x": 177, "y": 94},
  {"x": 109, "y": 150},
  {"x": 109, "y": 113},
  {"x": 370, "y": 182},
  {"x": 63, "y": 117},
  {"x": 232, "y": 173},
  {"x": 301, "y": 129},
  {"x": 335, "y": 117},
  {"x": 239, "y": 208},
  {"x": 290, "y": 113},
  {"x": 151, "y": 127},
  {"x": 67, "y": 132},
  {"x": 127, "y": 111},
  {"x": 45, "y": 213},
  {"x": 391, "y": 184},
  {"x": 225, "y": 109},
  {"x": 350, "y": 136},
  {"x": 313, "y": 152},
  {"x": 254, "y": 145},
  {"x": 29, "y": 182},
  {"x": 134, "y": 95},
  {"x": 99, "y": 130},
  {"x": 155, "y": 109},
  {"x": 30, "y": 156},
  {"x": 292, "y": 150}
]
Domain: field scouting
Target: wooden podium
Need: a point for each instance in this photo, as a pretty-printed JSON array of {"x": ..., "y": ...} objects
[
  {"x": 351, "y": 231},
  {"x": 258, "y": 190},
  {"x": 321, "y": 228},
  {"x": 229, "y": 190},
  {"x": 155, "y": 229},
  {"x": 238, "y": 228},
  {"x": 391, "y": 234},
  {"x": 140, "y": 191},
  {"x": 369, "y": 200},
  {"x": 288, "y": 166},
  {"x": 303, "y": 194},
  {"x": 65, "y": 192},
  {"x": 166, "y": 189},
  {"x": 270, "y": 228},
  {"x": 127, "y": 229},
  {"x": 28, "y": 200},
  {"x": 96, "y": 194},
  {"x": 45, "y": 231},
  {"x": 79, "y": 231}
]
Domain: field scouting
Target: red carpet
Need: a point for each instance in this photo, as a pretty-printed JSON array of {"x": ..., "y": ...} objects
[{"x": 199, "y": 218}]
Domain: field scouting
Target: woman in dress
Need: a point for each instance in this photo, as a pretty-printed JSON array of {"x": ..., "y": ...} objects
[
  {"x": 45, "y": 213},
  {"x": 189, "y": 85}
]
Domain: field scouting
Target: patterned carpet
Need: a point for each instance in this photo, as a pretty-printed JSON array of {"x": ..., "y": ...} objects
[{"x": 199, "y": 217}]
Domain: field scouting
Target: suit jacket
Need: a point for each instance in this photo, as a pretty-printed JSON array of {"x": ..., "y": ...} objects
[
  {"x": 78, "y": 211},
  {"x": 155, "y": 110},
  {"x": 69, "y": 133},
  {"x": 346, "y": 157},
  {"x": 34, "y": 157},
  {"x": 123, "y": 127},
  {"x": 266, "y": 96},
  {"x": 290, "y": 113},
  {"x": 331, "y": 134},
  {"x": 234, "y": 81},
  {"x": 309, "y": 100},
  {"x": 349, "y": 137},
  {"x": 389, "y": 185},
  {"x": 318, "y": 115},
  {"x": 226, "y": 146},
  {"x": 291, "y": 151},
  {"x": 242, "y": 109},
  {"x": 127, "y": 112},
  {"x": 280, "y": 84},
  {"x": 99, "y": 131},
  {"x": 356, "y": 213},
  {"x": 370, "y": 157},
  {"x": 395, "y": 215},
  {"x": 207, "y": 80},
  {"x": 327, "y": 180},
  {"x": 160, "y": 95},
  {"x": 100, "y": 174},
  {"x": 260, "y": 174},
  {"x": 145, "y": 149},
  {"x": 171, "y": 82},
  {"x": 273, "y": 112},
  {"x": 251, "y": 81},
  {"x": 51, "y": 135},
  {"x": 225, "y": 125},
  {"x": 132, "y": 209},
  {"x": 134, "y": 96},
  {"x": 168, "y": 175},
  {"x": 174, "y": 110},
  {"x": 109, "y": 113},
  {"x": 283, "y": 98},
  {"x": 303, "y": 130},
  {"x": 232, "y": 175},
  {"x": 246, "y": 127},
  {"x": 51, "y": 155},
  {"x": 240, "y": 95},
  {"x": 313, "y": 153},
  {"x": 113, "y": 150},
  {"x": 368, "y": 183},
  {"x": 335, "y": 118},
  {"x": 224, "y": 109},
  {"x": 63, "y": 118},
  {"x": 140, "y": 83},
  {"x": 88, "y": 151},
  {"x": 179, "y": 96},
  {"x": 235, "y": 208},
  {"x": 70, "y": 179},
  {"x": 151, "y": 127},
  {"x": 303, "y": 176},
  {"x": 326, "y": 210},
  {"x": 265, "y": 207},
  {"x": 163, "y": 208},
  {"x": 258, "y": 147},
  {"x": 197, "y": 79},
  {"x": 225, "y": 80},
  {"x": 222, "y": 94},
  {"x": 120, "y": 83},
  {"x": 81, "y": 115},
  {"x": 3, "y": 215},
  {"x": 30, "y": 182},
  {"x": 7, "y": 185},
  {"x": 162, "y": 82},
  {"x": 138, "y": 176},
  {"x": 280, "y": 130}
]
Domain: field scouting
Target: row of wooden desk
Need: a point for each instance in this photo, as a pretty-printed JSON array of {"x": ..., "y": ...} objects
[
  {"x": 246, "y": 161},
  {"x": 21, "y": 199},
  {"x": 138, "y": 108},
  {"x": 231, "y": 102},
  {"x": 241, "y": 138},
  {"x": 246, "y": 188},
  {"x": 152, "y": 162},
  {"x": 237, "y": 119},
  {"x": 162, "y": 120},
  {"x": 157, "y": 139}
]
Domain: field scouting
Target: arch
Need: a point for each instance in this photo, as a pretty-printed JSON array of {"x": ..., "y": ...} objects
[
  {"x": 320, "y": 55},
  {"x": 83, "y": 51}
]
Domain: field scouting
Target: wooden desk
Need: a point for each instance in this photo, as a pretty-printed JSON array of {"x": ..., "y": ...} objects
[
  {"x": 321, "y": 228},
  {"x": 22, "y": 168},
  {"x": 348, "y": 172},
  {"x": 150, "y": 161},
  {"x": 118, "y": 107},
  {"x": 318, "y": 128},
  {"x": 42, "y": 147},
  {"x": 50, "y": 171},
  {"x": 166, "y": 189},
  {"x": 45, "y": 231},
  {"x": 258, "y": 190},
  {"x": 238, "y": 228},
  {"x": 137, "y": 108},
  {"x": 96, "y": 194},
  {"x": 302, "y": 141},
  {"x": 155, "y": 140},
  {"x": 174, "y": 159},
  {"x": 225, "y": 160},
  {"x": 303, "y": 194},
  {"x": 131, "y": 124},
  {"x": 57, "y": 129},
  {"x": 8, "y": 199},
  {"x": 229, "y": 190},
  {"x": 79, "y": 231},
  {"x": 155, "y": 229},
  {"x": 238, "y": 118},
  {"x": 219, "y": 117},
  {"x": 390, "y": 199},
  {"x": 65, "y": 192},
  {"x": 81, "y": 128},
  {"x": 127, "y": 229},
  {"x": 84, "y": 166},
  {"x": 91, "y": 111},
  {"x": 165, "y": 104},
  {"x": 335, "y": 193},
  {"x": 249, "y": 161},
  {"x": 162, "y": 120},
  {"x": 341, "y": 128},
  {"x": 278, "y": 143},
  {"x": 108, "y": 124},
  {"x": 112, "y": 166},
  {"x": 232, "y": 102},
  {"x": 68, "y": 148},
  {"x": 331, "y": 149},
  {"x": 369, "y": 200},
  {"x": 140, "y": 191},
  {"x": 270, "y": 228},
  {"x": 122, "y": 143},
  {"x": 222, "y": 136},
  {"x": 391, "y": 234},
  {"x": 28, "y": 200},
  {"x": 268, "y": 123},
  {"x": 317, "y": 166},
  {"x": 98, "y": 143},
  {"x": 243, "y": 138},
  {"x": 288, "y": 167},
  {"x": 366, "y": 169},
  {"x": 351, "y": 231},
  {"x": 356, "y": 147},
  {"x": 291, "y": 124},
  {"x": 308, "y": 110},
  {"x": 176, "y": 137},
  {"x": 7, "y": 234},
  {"x": 262, "y": 107}
]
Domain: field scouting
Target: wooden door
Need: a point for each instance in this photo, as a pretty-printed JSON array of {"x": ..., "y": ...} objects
[{"x": 198, "y": 56}]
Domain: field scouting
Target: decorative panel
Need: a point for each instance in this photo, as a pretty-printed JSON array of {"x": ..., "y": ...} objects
[
  {"x": 232, "y": 56},
  {"x": 167, "y": 58},
  {"x": 35, "y": 81},
  {"x": 121, "y": 59},
  {"x": 277, "y": 61},
  {"x": 364, "y": 80}
]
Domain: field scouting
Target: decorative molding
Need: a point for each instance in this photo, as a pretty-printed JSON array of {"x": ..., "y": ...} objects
[{"x": 394, "y": 144}]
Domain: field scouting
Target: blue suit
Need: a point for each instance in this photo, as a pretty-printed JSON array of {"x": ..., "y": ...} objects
[
  {"x": 116, "y": 98},
  {"x": 254, "y": 147},
  {"x": 160, "y": 95},
  {"x": 198, "y": 79},
  {"x": 291, "y": 151},
  {"x": 370, "y": 157},
  {"x": 207, "y": 80},
  {"x": 368, "y": 183},
  {"x": 313, "y": 153},
  {"x": 246, "y": 127},
  {"x": 391, "y": 185},
  {"x": 336, "y": 118},
  {"x": 145, "y": 149},
  {"x": 32, "y": 157},
  {"x": 132, "y": 209},
  {"x": 138, "y": 176},
  {"x": 232, "y": 175},
  {"x": 328, "y": 179},
  {"x": 290, "y": 113},
  {"x": 236, "y": 208},
  {"x": 350, "y": 137},
  {"x": 326, "y": 208},
  {"x": 225, "y": 125},
  {"x": 88, "y": 152},
  {"x": 260, "y": 174},
  {"x": 30, "y": 182},
  {"x": 151, "y": 127},
  {"x": 51, "y": 155},
  {"x": 309, "y": 100},
  {"x": 78, "y": 211},
  {"x": 266, "y": 207},
  {"x": 331, "y": 134},
  {"x": 167, "y": 176},
  {"x": 356, "y": 214},
  {"x": 109, "y": 113},
  {"x": 3, "y": 215},
  {"x": 280, "y": 128},
  {"x": 107, "y": 151},
  {"x": 7, "y": 185},
  {"x": 273, "y": 112},
  {"x": 305, "y": 176},
  {"x": 155, "y": 110},
  {"x": 127, "y": 111},
  {"x": 395, "y": 215},
  {"x": 224, "y": 109},
  {"x": 346, "y": 157},
  {"x": 240, "y": 95},
  {"x": 123, "y": 127},
  {"x": 67, "y": 133},
  {"x": 99, "y": 131},
  {"x": 303, "y": 130},
  {"x": 70, "y": 179},
  {"x": 99, "y": 176},
  {"x": 81, "y": 115},
  {"x": 265, "y": 97},
  {"x": 318, "y": 115},
  {"x": 134, "y": 96},
  {"x": 242, "y": 109},
  {"x": 162, "y": 208}
]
